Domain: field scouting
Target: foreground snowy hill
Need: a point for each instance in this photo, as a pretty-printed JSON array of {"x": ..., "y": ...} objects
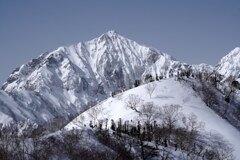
[{"x": 165, "y": 93}]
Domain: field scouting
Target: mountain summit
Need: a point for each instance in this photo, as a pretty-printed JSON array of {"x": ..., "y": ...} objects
[{"x": 229, "y": 65}]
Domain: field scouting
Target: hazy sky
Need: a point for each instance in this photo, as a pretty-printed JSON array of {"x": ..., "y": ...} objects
[{"x": 192, "y": 31}]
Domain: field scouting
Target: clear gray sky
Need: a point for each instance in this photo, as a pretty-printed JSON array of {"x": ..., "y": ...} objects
[{"x": 192, "y": 31}]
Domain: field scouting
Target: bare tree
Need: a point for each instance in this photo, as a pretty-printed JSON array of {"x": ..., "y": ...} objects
[
  {"x": 97, "y": 114},
  {"x": 191, "y": 123},
  {"x": 133, "y": 101},
  {"x": 148, "y": 112},
  {"x": 150, "y": 87},
  {"x": 170, "y": 116},
  {"x": 186, "y": 138},
  {"x": 80, "y": 120}
]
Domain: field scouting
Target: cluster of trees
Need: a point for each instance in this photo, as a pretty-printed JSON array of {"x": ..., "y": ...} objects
[
  {"x": 211, "y": 77},
  {"x": 157, "y": 132},
  {"x": 60, "y": 145},
  {"x": 160, "y": 131}
]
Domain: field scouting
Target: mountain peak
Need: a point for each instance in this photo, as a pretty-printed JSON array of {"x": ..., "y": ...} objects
[
  {"x": 237, "y": 48},
  {"x": 230, "y": 64},
  {"x": 232, "y": 54},
  {"x": 235, "y": 51},
  {"x": 111, "y": 32}
]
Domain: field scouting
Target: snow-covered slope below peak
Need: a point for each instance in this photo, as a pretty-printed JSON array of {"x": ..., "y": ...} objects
[
  {"x": 10, "y": 111},
  {"x": 229, "y": 65},
  {"x": 166, "y": 92}
]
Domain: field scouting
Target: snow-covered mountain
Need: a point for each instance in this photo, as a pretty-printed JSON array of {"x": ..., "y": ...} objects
[
  {"x": 229, "y": 65},
  {"x": 68, "y": 80}
]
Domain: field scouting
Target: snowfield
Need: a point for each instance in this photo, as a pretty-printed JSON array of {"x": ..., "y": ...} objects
[{"x": 166, "y": 92}]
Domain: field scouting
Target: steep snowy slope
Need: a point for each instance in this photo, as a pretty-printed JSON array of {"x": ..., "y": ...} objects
[
  {"x": 229, "y": 65},
  {"x": 10, "y": 111},
  {"x": 68, "y": 80},
  {"x": 166, "y": 92}
]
